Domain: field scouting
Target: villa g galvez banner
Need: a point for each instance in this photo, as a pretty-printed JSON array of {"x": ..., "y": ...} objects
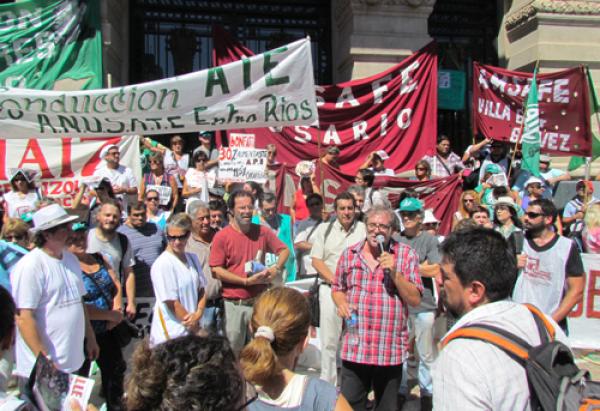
[
  {"x": 564, "y": 111},
  {"x": 275, "y": 88},
  {"x": 394, "y": 111}
]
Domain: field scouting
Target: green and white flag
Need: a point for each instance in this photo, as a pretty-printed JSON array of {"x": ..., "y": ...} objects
[
  {"x": 531, "y": 140},
  {"x": 51, "y": 45}
]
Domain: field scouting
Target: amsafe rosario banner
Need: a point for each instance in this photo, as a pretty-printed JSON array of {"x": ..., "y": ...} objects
[
  {"x": 394, "y": 111},
  {"x": 564, "y": 107}
]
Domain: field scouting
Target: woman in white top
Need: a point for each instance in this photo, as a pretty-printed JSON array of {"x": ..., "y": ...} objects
[
  {"x": 176, "y": 162},
  {"x": 153, "y": 212},
  {"x": 23, "y": 196},
  {"x": 178, "y": 285},
  {"x": 280, "y": 321},
  {"x": 197, "y": 179}
]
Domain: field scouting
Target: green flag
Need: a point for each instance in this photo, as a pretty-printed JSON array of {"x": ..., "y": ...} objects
[
  {"x": 50, "y": 45},
  {"x": 530, "y": 146},
  {"x": 576, "y": 161}
]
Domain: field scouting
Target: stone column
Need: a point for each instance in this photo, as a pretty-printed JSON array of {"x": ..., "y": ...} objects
[
  {"x": 115, "y": 37},
  {"x": 369, "y": 36}
]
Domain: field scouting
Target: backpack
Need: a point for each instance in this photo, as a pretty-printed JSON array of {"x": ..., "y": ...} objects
[{"x": 555, "y": 382}]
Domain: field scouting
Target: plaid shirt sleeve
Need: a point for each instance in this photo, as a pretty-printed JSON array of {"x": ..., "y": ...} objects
[
  {"x": 341, "y": 272},
  {"x": 408, "y": 264}
]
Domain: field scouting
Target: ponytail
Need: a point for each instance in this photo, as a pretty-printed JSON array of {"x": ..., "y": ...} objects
[{"x": 259, "y": 361}]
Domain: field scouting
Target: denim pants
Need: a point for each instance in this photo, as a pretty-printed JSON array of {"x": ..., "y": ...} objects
[{"x": 423, "y": 326}]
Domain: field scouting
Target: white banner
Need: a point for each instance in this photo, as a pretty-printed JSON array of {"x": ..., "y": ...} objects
[
  {"x": 242, "y": 164},
  {"x": 584, "y": 320},
  {"x": 61, "y": 164},
  {"x": 275, "y": 88}
]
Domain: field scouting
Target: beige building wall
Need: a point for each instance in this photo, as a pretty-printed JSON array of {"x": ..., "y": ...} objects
[
  {"x": 370, "y": 36},
  {"x": 559, "y": 34}
]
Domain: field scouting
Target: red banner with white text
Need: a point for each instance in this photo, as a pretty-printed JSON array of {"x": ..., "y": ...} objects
[
  {"x": 498, "y": 97},
  {"x": 394, "y": 111},
  {"x": 441, "y": 195}
]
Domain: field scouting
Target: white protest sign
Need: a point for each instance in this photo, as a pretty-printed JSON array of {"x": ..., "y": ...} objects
[
  {"x": 242, "y": 164},
  {"x": 164, "y": 193},
  {"x": 584, "y": 320},
  {"x": 241, "y": 140}
]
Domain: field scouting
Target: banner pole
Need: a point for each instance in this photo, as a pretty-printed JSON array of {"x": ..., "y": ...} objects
[
  {"x": 108, "y": 80},
  {"x": 588, "y": 160},
  {"x": 510, "y": 167}
]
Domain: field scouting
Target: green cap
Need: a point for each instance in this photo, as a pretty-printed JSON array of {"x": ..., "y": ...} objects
[
  {"x": 411, "y": 204},
  {"x": 493, "y": 168},
  {"x": 27, "y": 217}
]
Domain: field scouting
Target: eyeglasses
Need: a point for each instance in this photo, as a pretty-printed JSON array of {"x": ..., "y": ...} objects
[
  {"x": 531, "y": 214},
  {"x": 420, "y": 169},
  {"x": 373, "y": 226},
  {"x": 178, "y": 237},
  {"x": 14, "y": 238},
  {"x": 151, "y": 198},
  {"x": 468, "y": 200}
]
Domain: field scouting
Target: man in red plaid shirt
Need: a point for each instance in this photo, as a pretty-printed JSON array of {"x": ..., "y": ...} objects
[{"x": 374, "y": 284}]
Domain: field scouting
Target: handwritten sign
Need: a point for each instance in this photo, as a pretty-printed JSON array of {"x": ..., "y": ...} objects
[{"x": 242, "y": 164}]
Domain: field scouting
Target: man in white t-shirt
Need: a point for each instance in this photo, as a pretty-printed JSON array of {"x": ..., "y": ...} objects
[
  {"x": 121, "y": 177},
  {"x": 305, "y": 235},
  {"x": 48, "y": 290}
]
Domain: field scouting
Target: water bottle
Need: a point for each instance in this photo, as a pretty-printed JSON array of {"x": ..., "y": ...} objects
[{"x": 352, "y": 327}]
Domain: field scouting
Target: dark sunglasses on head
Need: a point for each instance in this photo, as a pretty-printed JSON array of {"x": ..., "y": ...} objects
[{"x": 531, "y": 214}]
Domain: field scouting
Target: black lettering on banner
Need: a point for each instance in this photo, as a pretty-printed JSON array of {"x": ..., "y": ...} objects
[{"x": 171, "y": 120}]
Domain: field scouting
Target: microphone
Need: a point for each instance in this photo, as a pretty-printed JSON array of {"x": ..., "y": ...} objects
[{"x": 380, "y": 240}]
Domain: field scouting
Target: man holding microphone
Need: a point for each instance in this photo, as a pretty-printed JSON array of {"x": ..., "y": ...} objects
[{"x": 375, "y": 282}]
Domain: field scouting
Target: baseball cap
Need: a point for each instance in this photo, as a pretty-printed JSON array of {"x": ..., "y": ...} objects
[
  {"x": 105, "y": 150},
  {"x": 493, "y": 168},
  {"x": 533, "y": 180},
  {"x": 411, "y": 204}
]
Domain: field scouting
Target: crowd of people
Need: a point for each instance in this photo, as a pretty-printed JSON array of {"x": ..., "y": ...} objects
[{"x": 226, "y": 333}]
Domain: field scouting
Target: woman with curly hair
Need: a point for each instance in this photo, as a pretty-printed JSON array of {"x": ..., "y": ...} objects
[
  {"x": 280, "y": 322},
  {"x": 189, "y": 373}
]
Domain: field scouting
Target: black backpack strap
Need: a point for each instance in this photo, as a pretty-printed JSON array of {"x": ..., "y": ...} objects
[
  {"x": 545, "y": 328},
  {"x": 123, "y": 242},
  {"x": 515, "y": 347},
  {"x": 328, "y": 230}
]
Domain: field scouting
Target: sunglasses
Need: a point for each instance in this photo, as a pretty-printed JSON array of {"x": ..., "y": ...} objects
[
  {"x": 151, "y": 198},
  {"x": 15, "y": 238},
  {"x": 468, "y": 200},
  {"x": 531, "y": 214},
  {"x": 178, "y": 237},
  {"x": 421, "y": 168}
]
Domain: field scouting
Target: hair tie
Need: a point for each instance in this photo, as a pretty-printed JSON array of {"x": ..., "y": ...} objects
[{"x": 265, "y": 332}]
